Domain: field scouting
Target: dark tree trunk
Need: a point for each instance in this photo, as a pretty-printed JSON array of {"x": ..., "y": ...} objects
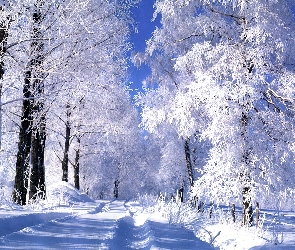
[
  {"x": 180, "y": 194},
  {"x": 38, "y": 138},
  {"x": 41, "y": 184},
  {"x": 116, "y": 189},
  {"x": 77, "y": 166},
  {"x": 65, "y": 161},
  {"x": 211, "y": 209},
  {"x": 257, "y": 214},
  {"x": 77, "y": 156},
  {"x": 189, "y": 163},
  {"x": 34, "y": 175},
  {"x": 24, "y": 146},
  {"x": 189, "y": 167},
  {"x": 37, "y": 180},
  {"x": 247, "y": 210},
  {"x": 4, "y": 25},
  {"x": 233, "y": 212},
  {"x": 37, "y": 177},
  {"x": 32, "y": 136},
  {"x": 247, "y": 218}
]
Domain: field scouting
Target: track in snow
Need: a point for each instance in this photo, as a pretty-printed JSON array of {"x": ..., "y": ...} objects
[
  {"x": 109, "y": 226},
  {"x": 153, "y": 235}
]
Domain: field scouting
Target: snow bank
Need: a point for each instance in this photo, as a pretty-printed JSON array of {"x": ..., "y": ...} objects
[
  {"x": 230, "y": 236},
  {"x": 18, "y": 221},
  {"x": 65, "y": 193}
]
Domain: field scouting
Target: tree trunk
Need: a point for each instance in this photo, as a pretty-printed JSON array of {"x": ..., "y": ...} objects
[
  {"x": 32, "y": 136},
  {"x": 24, "y": 145},
  {"x": 38, "y": 138},
  {"x": 189, "y": 167},
  {"x": 77, "y": 165},
  {"x": 233, "y": 212},
  {"x": 247, "y": 209},
  {"x": 34, "y": 175},
  {"x": 180, "y": 194},
  {"x": 37, "y": 177},
  {"x": 257, "y": 214},
  {"x": 77, "y": 157},
  {"x": 189, "y": 162},
  {"x": 65, "y": 162},
  {"x": 211, "y": 209},
  {"x": 4, "y": 26},
  {"x": 116, "y": 189},
  {"x": 247, "y": 217}
]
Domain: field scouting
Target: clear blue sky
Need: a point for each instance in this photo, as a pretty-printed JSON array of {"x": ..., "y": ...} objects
[{"x": 142, "y": 16}]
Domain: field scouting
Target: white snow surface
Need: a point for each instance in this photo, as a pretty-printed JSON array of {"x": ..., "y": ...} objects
[
  {"x": 77, "y": 222},
  {"x": 74, "y": 221},
  {"x": 63, "y": 192}
]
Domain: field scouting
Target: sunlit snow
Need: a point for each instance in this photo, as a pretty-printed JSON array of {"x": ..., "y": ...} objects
[{"x": 74, "y": 221}]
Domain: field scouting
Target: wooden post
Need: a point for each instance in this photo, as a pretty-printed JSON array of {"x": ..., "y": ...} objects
[
  {"x": 257, "y": 214},
  {"x": 233, "y": 212}
]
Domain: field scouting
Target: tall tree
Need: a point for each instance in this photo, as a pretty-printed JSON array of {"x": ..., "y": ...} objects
[
  {"x": 93, "y": 70},
  {"x": 61, "y": 47},
  {"x": 65, "y": 161},
  {"x": 111, "y": 152},
  {"x": 77, "y": 164},
  {"x": 4, "y": 25},
  {"x": 35, "y": 77},
  {"x": 189, "y": 162},
  {"x": 30, "y": 172},
  {"x": 228, "y": 61}
]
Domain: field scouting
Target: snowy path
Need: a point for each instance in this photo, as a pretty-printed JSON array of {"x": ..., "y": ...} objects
[{"x": 108, "y": 226}]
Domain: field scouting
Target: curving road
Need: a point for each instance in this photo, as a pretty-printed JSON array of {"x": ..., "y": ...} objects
[{"x": 109, "y": 226}]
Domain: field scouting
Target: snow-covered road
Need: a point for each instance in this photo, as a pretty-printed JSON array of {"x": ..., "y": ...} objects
[
  {"x": 69, "y": 219},
  {"x": 109, "y": 225}
]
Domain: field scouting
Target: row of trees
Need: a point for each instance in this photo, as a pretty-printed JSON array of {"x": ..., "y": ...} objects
[
  {"x": 223, "y": 81},
  {"x": 65, "y": 110},
  {"x": 218, "y": 104}
]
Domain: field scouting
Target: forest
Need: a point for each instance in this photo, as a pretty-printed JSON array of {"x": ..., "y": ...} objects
[{"x": 213, "y": 124}]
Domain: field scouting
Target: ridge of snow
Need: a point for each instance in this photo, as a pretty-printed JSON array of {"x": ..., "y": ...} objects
[{"x": 64, "y": 192}]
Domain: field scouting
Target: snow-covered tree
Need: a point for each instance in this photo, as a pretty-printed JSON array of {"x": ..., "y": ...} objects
[
  {"x": 162, "y": 87},
  {"x": 111, "y": 150},
  {"x": 232, "y": 59},
  {"x": 65, "y": 47},
  {"x": 94, "y": 75}
]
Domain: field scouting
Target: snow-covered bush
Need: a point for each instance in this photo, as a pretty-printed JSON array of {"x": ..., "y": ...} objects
[
  {"x": 148, "y": 201},
  {"x": 173, "y": 210},
  {"x": 179, "y": 213}
]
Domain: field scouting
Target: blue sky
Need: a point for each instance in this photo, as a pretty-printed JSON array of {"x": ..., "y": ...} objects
[{"x": 142, "y": 16}]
